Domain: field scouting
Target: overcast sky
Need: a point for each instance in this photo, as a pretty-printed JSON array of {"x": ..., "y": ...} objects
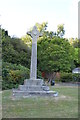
[{"x": 17, "y": 16}]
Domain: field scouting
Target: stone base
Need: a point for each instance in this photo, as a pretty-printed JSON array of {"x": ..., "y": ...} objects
[
  {"x": 18, "y": 93},
  {"x": 33, "y": 88},
  {"x": 30, "y": 82}
]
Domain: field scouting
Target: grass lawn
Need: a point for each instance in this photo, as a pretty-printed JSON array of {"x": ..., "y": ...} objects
[
  {"x": 0, "y": 105},
  {"x": 63, "y": 106}
]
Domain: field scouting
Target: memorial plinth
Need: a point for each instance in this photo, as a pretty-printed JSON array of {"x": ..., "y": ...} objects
[{"x": 33, "y": 86}]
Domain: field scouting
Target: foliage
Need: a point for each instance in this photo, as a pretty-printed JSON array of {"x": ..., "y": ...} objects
[
  {"x": 39, "y": 74},
  {"x": 55, "y": 54},
  {"x": 42, "y": 27},
  {"x": 4, "y": 33},
  {"x": 76, "y": 77},
  {"x": 68, "y": 77},
  {"x": 15, "y": 51},
  {"x": 27, "y": 40},
  {"x": 13, "y": 75},
  {"x": 74, "y": 42},
  {"x": 60, "y": 30},
  {"x": 77, "y": 57}
]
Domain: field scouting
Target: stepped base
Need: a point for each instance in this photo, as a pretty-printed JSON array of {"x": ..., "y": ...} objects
[
  {"x": 30, "y": 82},
  {"x": 24, "y": 94},
  {"x": 33, "y": 88}
]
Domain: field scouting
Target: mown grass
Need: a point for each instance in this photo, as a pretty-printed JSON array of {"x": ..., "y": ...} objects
[
  {"x": 0, "y": 105},
  {"x": 63, "y": 106}
]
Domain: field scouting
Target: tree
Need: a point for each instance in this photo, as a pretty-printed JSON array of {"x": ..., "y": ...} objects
[
  {"x": 74, "y": 42},
  {"x": 27, "y": 40},
  {"x": 55, "y": 54},
  {"x": 77, "y": 57},
  {"x": 4, "y": 33},
  {"x": 15, "y": 51},
  {"x": 42, "y": 27},
  {"x": 60, "y": 30}
]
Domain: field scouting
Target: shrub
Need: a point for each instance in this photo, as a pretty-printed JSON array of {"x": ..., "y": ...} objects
[
  {"x": 66, "y": 77},
  {"x": 13, "y": 75},
  {"x": 69, "y": 77},
  {"x": 76, "y": 77}
]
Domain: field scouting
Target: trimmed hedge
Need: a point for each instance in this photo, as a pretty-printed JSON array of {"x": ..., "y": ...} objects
[{"x": 13, "y": 75}]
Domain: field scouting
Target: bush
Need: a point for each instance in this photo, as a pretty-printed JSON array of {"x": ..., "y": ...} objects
[
  {"x": 13, "y": 75},
  {"x": 66, "y": 77},
  {"x": 69, "y": 77},
  {"x": 76, "y": 77}
]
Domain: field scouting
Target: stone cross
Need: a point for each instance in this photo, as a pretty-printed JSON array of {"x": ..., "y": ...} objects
[{"x": 34, "y": 34}]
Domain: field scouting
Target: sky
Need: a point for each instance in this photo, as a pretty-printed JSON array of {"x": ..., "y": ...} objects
[{"x": 18, "y": 16}]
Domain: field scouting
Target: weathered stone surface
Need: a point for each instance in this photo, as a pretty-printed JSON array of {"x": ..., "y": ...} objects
[
  {"x": 33, "y": 70},
  {"x": 33, "y": 82},
  {"x": 33, "y": 88},
  {"x": 34, "y": 34},
  {"x": 19, "y": 93}
]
